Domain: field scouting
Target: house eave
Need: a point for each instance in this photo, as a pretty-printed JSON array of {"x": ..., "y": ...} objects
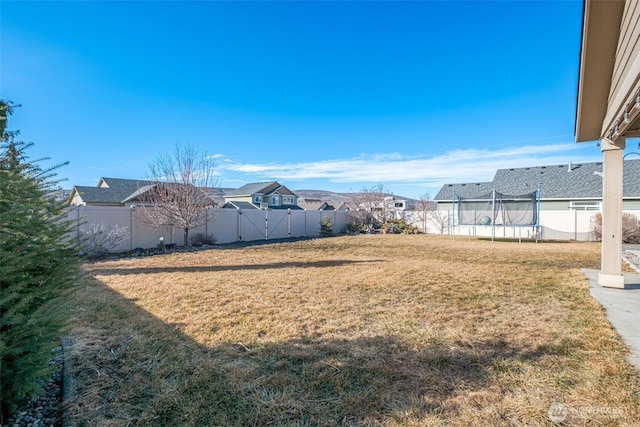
[{"x": 600, "y": 31}]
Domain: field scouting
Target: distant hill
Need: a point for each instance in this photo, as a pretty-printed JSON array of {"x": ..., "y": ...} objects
[
  {"x": 335, "y": 199},
  {"x": 338, "y": 198},
  {"x": 330, "y": 197}
]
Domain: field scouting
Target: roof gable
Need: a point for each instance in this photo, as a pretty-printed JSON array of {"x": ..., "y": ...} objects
[
  {"x": 260, "y": 188},
  {"x": 313, "y": 204},
  {"x": 119, "y": 189},
  {"x": 284, "y": 191}
]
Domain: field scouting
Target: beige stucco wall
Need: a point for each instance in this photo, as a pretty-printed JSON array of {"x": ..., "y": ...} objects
[
  {"x": 554, "y": 225},
  {"x": 559, "y": 205}
]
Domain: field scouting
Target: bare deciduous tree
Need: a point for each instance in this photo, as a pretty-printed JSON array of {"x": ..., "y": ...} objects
[
  {"x": 630, "y": 227},
  {"x": 441, "y": 219},
  {"x": 423, "y": 208},
  {"x": 368, "y": 207},
  {"x": 100, "y": 240},
  {"x": 426, "y": 213},
  {"x": 181, "y": 193}
]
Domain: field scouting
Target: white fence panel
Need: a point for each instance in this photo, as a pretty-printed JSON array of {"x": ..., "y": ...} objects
[
  {"x": 298, "y": 223},
  {"x": 146, "y": 236},
  {"x": 224, "y": 224},
  {"x": 312, "y": 223},
  {"x": 338, "y": 219},
  {"x": 567, "y": 225},
  {"x": 252, "y": 225},
  {"x": 278, "y": 223},
  {"x": 430, "y": 222}
]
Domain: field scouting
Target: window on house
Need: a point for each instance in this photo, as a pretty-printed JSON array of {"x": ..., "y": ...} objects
[
  {"x": 584, "y": 206},
  {"x": 287, "y": 200},
  {"x": 399, "y": 204},
  {"x": 257, "y": 199}
]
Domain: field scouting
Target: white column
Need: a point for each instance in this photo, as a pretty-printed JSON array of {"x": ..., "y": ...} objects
[{"x": 611, "y": 258}]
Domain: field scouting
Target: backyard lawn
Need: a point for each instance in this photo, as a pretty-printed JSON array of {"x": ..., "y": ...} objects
[{"x": 371, "y": 330}]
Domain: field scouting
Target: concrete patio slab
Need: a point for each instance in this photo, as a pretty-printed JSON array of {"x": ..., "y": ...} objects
[{"x": 622, "y": 307}]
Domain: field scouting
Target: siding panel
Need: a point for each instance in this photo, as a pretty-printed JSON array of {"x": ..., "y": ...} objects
[
  {"x": 631, "y": 205},
  {"x": 626, "y": 69}
]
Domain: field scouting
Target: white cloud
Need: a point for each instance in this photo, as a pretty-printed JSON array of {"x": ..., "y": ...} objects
[{"x": 456, "y": 166}]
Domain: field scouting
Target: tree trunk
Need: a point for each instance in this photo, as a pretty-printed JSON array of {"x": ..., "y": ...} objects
[{"x": 186, "y": 236}]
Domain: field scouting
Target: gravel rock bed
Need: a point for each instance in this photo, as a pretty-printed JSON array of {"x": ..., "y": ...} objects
[
  {"x": 633, "y": 259},
  {"x": 46, "y": 409}
]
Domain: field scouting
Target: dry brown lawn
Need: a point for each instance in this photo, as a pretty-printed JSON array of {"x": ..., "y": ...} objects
[{"x": 374, "y": 330}]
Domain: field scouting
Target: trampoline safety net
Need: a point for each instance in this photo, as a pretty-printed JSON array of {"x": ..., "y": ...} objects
[{"x": 498, "y": 209}]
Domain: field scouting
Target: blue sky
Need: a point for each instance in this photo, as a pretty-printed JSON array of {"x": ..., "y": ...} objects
[{"x": 317, "y": 95}]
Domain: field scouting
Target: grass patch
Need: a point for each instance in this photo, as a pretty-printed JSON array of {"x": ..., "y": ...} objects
[{"x": 367, "y": 330}]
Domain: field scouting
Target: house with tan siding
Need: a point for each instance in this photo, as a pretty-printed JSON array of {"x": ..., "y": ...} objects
[
  {"x": 262, "y": 195},
  {"x": 608, "y": 110}
]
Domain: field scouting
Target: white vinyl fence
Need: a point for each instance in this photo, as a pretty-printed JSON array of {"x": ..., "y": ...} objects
[
  {"x": 225, "y": 225},
  {"x": 554, "y": 225}
]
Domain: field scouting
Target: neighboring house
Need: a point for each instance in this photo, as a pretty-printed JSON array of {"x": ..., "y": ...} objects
[
  {"x": 396, "y": 206},
  {"x": 262, "y": 195},
  {"x": 117, "y": 192},
  {"x": 315, "y": 205},
  {"x": 109, "y": 192},
  {"x": 344, "y": 206},
  {"x": 573, "y": 186}
]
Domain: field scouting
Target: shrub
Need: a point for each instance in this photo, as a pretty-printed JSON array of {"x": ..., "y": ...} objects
[
  {"x": 360, "y": 221},
  {"x": 400, "y": 226},
  {"x": 200, "y": 239},
  {"x": 99, "y": 240},
  {"x": 630, "y": 227},
  {"x": 39, "y": 268}
]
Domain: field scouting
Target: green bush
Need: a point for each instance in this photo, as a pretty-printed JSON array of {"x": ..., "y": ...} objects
[
  {"x": 326, "y": 227},
  {"x": 400, "y": 226},
  {"x": 39, "y": 268}
]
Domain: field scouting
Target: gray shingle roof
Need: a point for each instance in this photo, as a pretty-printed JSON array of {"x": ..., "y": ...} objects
[
  {"x": 95, "y": 194},
  {"x": 575, "y": 181},
  {"x": 262, "y": 188},
  {"x": 117, "y": 192},
  {"x": 254, "y": 188},
  {"x": 580, "y": 180},
  {"x": 312, "y": 204},
  {"x": 284, "y": 207},
  {"x": 139, "y": 192},
  {"x": 121, "y": 188},
  {"x": 474, "y": 190}
]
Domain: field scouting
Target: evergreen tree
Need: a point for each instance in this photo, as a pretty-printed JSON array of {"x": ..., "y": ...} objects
[
  {"x": 326, "y": 227},
  {"x": 38, "y": 269}
]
